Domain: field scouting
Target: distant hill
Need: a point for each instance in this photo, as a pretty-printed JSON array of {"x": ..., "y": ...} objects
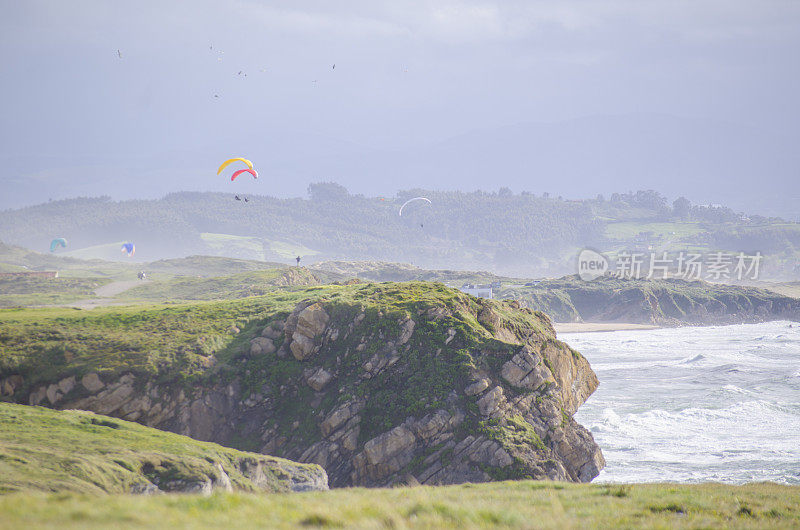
[
  {"x": 703, "y": 159},
  {"x": 513, "y": 234}
]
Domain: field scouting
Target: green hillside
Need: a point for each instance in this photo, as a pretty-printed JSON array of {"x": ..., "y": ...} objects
[
  {"x": 49, "y": 451},
  {"x": 512, "y": 234}
]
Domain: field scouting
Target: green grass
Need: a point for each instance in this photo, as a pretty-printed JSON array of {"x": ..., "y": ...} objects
[
  {"x": 629, "y": 229},
  {"x": 21, "y": 291},
  {"x": 255, "y": 247},
  {"x": 523, "y": 504},
  {"x": 289, "y": 250},
  {"x": 171, "y": 341},
  {"x": 51, "y": 451},
  {"x": 251, "y": 247},
  {"x": 242, "y": 285}
]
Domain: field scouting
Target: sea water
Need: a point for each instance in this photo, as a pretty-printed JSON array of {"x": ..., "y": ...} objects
[{"x": 695, "y": 404}]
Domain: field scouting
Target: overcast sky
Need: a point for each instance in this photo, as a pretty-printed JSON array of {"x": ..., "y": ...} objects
[{"x": 408, "y": 75}]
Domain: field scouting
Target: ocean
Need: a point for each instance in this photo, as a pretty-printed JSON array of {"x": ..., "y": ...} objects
[{"x": 695, "y": 404}]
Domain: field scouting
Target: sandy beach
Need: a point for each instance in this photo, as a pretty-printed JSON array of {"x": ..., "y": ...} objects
[{"x": 586, "y": 327}]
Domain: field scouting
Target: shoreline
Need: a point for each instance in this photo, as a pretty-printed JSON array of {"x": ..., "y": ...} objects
[{"x": 596, "y": 327}]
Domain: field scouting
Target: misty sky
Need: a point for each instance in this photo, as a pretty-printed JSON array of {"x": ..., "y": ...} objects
[{"x": 409, "y": 77}]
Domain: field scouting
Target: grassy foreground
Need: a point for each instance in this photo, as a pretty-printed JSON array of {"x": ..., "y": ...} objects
[
  {"x": 53, "y": 451},
  {"x": 500, "y": 504}
]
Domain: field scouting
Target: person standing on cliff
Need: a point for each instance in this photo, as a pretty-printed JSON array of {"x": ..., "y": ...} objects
[{"x": 298, "y": 260}]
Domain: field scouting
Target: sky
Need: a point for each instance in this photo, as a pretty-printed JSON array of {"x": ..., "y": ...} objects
[{"x": 694, "y": 98}]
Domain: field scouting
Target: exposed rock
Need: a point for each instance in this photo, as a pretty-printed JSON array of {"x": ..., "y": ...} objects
[
  {"x": 53, "y": 394},
  {"x": 338, "y": 417},
  {"x": 92, "y": 382},
  {"x": 303, "y": 328},
  {"x": 380, "y": 360},
  {"x": 526, "y": 370},
  {"x": 477, "y": 387},
  {"x": 272, "y": 331},
  {"x": 66, "y": 384},
  {"x": 406, "y": 330},
  {"x": 261, "y": 346},
  {"x": 575, "y": 379},
  {"x": 144, "y": 488},
  {"x": 10, "y": 385},
  {"x": 37, "y": 395},
  {"x": 318, "y": 379},
  {"x": 489, "y": 403},
  {"x": 388, "y": 444},
  {"x": 233, "y": 330},
  {"x": 491, "y": 320},
  {"x": 415, "y": 416},
  {"x": 431, "y": 425}
]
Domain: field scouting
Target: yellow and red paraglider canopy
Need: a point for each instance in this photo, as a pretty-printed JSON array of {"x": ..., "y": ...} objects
[{"x": 230, "y": 161}]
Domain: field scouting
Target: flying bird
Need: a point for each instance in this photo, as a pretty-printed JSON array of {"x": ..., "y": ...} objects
[
  {"x": 334, "y": 66},
  {"x": 237, "y": 198},
  {"x": 245, "y": 200},
  {"x": 119, "y": 53}
]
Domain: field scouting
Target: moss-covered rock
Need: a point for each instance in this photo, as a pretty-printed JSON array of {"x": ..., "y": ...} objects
[{"x": 368, "y": 380}]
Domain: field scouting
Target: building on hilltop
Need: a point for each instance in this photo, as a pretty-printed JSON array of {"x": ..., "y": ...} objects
[{"x": 481, "y": 291}]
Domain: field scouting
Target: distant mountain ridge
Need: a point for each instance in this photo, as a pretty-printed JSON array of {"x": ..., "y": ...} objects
[{"x": 705, "y": 160}]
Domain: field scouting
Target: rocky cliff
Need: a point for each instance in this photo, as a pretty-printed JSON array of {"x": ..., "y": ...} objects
[
  {"x": 378, "y": 383},
  {"x": 670, "y": 302}
]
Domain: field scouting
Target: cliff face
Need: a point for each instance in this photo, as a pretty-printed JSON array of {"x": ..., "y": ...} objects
[
  {"x": 664, "y": 302},
  {"x": 410, "y": 383}
]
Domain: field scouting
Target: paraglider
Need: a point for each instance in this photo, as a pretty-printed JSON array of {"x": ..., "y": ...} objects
[
  {"x": 232, "y": 160},
  {"x": 412, "y": 200},
  {"x": 58, "y": 242},
  {"x": 237, "y": 173},
  {"x": 128, "y": 248}
]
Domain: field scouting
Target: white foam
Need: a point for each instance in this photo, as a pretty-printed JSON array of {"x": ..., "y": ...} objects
[{"x": 719, "y": 403}]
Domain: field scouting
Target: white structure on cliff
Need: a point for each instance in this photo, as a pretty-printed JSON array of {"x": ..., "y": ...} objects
[{"x": 481, "y": 291}]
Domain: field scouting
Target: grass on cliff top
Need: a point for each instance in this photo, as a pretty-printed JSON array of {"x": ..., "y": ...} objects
[
  {"x": 50, "y": 451},
  {"x": 175, "y": 342},
  {"x": 523, "y": 504},
  {"x": 241, "y": 285},
  {"x": 21, "y": 291}
]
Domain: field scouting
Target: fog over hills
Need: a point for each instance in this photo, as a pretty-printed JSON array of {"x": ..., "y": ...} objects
[{"x": 704, "y": 160}]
